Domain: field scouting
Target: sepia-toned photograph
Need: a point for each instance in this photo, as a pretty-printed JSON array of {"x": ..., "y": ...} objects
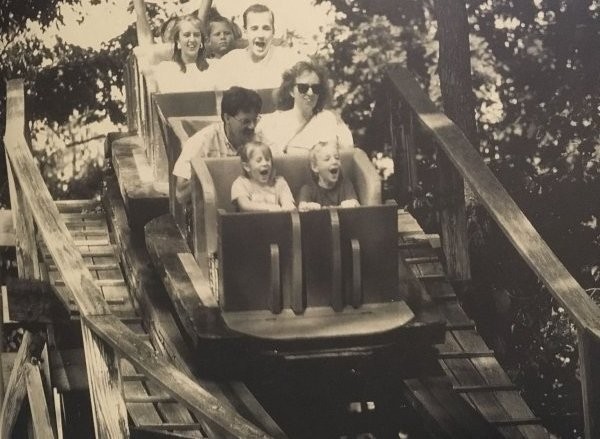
[{"x": 312, "y": 219}]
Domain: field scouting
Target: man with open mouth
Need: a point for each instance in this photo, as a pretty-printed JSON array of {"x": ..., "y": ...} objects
[{"x": 261, "y": 64}]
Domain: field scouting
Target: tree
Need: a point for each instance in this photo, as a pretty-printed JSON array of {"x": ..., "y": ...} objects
[{"x": 68, "y": 87}]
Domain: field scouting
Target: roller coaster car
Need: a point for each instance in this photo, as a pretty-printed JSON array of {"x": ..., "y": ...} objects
[
  {"x": 301, "y": 283},
  {"x": 282, "y": 285}
]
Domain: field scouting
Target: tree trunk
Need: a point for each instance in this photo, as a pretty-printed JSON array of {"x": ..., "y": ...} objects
[{"x": 454, "y": 69}]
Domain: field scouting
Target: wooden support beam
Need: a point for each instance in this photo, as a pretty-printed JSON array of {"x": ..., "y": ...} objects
[
  {"x": 7, "y": 230},
  {"x": 27, "y": 257},
  {"x": 37, "y": 403},
  {"x": 589, "y": 360},
  {"x": 104, "y": 380},
  {"x": 31, "y": 347},
  {"x": 453, "y": 221}
]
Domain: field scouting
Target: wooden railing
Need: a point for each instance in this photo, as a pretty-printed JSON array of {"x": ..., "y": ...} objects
[
  {"x": 105, "y": 337},
  {"x": 419, "y": 118}
]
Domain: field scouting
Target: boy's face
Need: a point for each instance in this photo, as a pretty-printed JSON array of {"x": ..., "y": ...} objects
[
  {"x": 220, "y": 39},
  {"x": 259, "y": 31},
  {"x": 259, "y": 166},
  {"x": 327, "y": 165}
]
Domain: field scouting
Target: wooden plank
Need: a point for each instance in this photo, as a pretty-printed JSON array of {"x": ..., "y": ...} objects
[
  {"x": 77, "y": 205},
  {"x": 447, "y": 414},
  {"x": 172, "y": 380},
  {"x": 174, "y": 413},
  {"x": 16, "y": 389},
  {"x": 26, "y": 249},
  {"x": 104, "y": 380},
  {"x": 166, "y": 336},
  {"x": 589, "y": 359},
  {"x": 67, "y": 370},
  {"x": 57, "y": 398},
  {"x": 37, "y": 403},
  {"x": 453, "y": 220},
  {"x": 7, "y": 231},
  {"x": 140, "y": 413},
  {"x": 499, "y": 204}
]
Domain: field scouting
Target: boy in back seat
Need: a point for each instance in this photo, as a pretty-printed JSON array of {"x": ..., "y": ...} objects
[{"x": 329, "y": 187}]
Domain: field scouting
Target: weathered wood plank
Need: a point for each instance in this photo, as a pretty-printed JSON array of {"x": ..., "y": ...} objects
[
  {"x": 31, "y": 346},
  {"x": 7, "y": 230},
  {"x": 27, "y": 258},
  {"x": 104, "y": 380},
  {"x": 37, "y": 403},
  {"x": 140, "y": 413},
  {"x": 448, "y": 415},
  {"x": 175, "y": 413},
  {"x": 499, "y": 204},
  {"x": 171, "y": 379},
  {"x": 589, "y": 359},
  {"x": 166, "y": 337}
]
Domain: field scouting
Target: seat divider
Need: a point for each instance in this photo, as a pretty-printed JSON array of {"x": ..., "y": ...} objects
[
  {"x": 337, "y": 299},
  {"x": 297, "y": 295},
  {"x": 275, "y": 280},
  {"x": 356, "y": 298}
]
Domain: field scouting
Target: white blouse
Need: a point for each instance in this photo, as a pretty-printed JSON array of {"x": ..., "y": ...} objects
[
  {"x": 283, "y": 132},
  {"x": 170, "y": 78}
]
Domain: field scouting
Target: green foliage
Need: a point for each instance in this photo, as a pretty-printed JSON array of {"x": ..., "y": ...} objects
[
  {"x": 535, "y": 66},
  {"x": 63, "y": 81}
]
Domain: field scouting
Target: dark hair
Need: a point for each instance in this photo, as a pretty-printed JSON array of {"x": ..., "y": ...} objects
[
  {"x": 285, "y": 101},
  {"x": 214, "y": 16},
  {"x": 257, "y": 8},
  {"x": 238, "y": 99},
  {"x": 166, "y": 29},
  {"x": 201, "y": 62},
  {"x": 220, "y": 19}
]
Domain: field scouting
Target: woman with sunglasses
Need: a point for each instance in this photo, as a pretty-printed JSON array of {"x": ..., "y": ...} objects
[{"x": 302, "y": 120}]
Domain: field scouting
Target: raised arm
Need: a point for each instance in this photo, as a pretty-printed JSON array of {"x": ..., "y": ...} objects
[{"x": 143, "y": 29}]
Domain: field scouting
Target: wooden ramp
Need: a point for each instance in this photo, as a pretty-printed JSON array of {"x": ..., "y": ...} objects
[
  {"x": 149, "y": 408},
  {"x": 469, "y": 365},
  {"x": 166, "y": 334}
]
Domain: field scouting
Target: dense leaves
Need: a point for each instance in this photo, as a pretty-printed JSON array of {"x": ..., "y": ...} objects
[{"x": 535, "y": 66}]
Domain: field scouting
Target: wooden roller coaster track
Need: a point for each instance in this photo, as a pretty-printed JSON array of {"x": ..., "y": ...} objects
[{"x": 129, "y": 376}]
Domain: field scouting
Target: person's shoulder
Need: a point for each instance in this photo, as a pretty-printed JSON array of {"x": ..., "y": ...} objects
[
  {"x": 328, "y": 116},
  {"x": 234, "y": 55},
  {"x": 167, "y": 66},
  {"x": 205, "y": 133},
  {"x": 280, "y": 181}
]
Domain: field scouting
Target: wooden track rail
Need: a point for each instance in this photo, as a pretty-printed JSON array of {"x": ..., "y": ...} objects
[
  {"x": 105, "y": 336},
  {"x": 465, "y": 159}
]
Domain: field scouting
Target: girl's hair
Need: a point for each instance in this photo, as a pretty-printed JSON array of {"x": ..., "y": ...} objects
[
  {"x": 201, "y": 62},
  {"x": 285, "y": 101},
  {"x": 246, "y": 154}
]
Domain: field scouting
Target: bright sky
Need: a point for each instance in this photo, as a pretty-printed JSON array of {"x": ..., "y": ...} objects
[{"x": 107, "y": 20}]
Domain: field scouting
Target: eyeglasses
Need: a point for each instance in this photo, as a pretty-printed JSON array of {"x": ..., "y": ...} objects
[
  {"x": 247, "y": 122},
  {"x": 303, "y": 88}
]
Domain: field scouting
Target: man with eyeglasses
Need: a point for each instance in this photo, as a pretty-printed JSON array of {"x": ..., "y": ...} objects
[
  {"x": 261, "y": 64},
  {"x": 240, "y": 112}
]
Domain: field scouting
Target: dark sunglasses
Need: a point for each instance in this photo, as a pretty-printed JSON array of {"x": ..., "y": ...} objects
[{"x": 303, "y": 88}]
